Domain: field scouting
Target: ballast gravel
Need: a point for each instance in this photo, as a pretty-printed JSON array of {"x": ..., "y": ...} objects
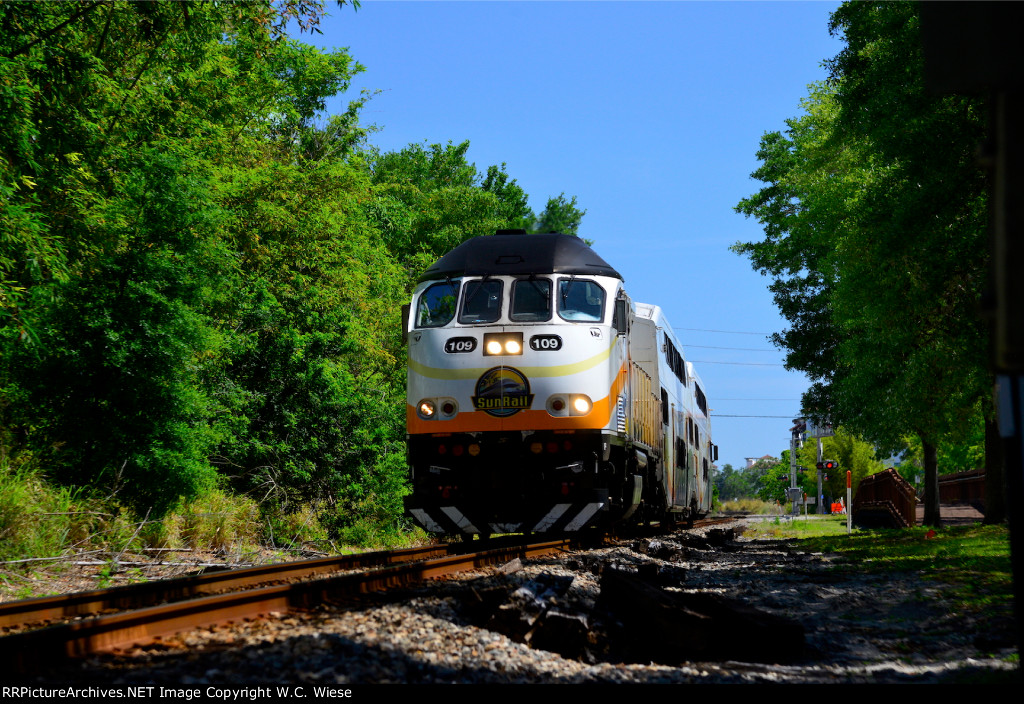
[{"x": 860, "y": 628}]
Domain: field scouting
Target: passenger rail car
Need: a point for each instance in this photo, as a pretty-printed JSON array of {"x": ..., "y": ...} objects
[{"x": 542, "y": 399}]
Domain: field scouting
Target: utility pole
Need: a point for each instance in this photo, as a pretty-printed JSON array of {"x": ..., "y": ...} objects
[
  {"x": 818, "y": 432},
  {"x": 796, "y": 441},
  {"x": 818, "y": 461}
]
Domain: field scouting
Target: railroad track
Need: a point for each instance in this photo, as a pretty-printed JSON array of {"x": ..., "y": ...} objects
[
  {"x": 160, "y": 609},
  {"x": 20, "y": 614},
  {"x": 47, "y": 631}
]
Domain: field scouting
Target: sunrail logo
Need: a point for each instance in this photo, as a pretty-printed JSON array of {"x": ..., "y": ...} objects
[{"x": 502, "y": 392}]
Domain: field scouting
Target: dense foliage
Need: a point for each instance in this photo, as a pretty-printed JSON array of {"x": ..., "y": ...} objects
[
  {"x": 763, "y": 480},
  {"x": 201, "y": 272},
  {"x": 874, "y": 216}
]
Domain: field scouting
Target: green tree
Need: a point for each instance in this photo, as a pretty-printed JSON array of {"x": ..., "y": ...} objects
[
  {"x": 514, "y": 201},
  {"x": 317, "y": 366},
  {"x": 560, "y": 215},
  {"x": 732, "y": 484},
  {"x": 124, "y": 263},
  {"x": 874, "y": 216},
  {"x": 430, "y": 198}
]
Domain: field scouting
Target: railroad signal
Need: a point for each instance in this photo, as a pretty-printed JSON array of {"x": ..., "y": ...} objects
[{"x": 828, "y": 464}]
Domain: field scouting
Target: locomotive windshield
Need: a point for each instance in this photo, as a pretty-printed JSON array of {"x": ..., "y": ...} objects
[
  {"x": 437, "y": 305},
  {"x": 527, "y": 300},
  {"x": 531, "y": 301},
  {"x": 482, "y": 302},
  {"x": 580, "y": 300}
]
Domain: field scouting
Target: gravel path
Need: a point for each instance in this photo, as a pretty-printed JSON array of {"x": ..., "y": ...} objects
[{"x": 858, "y": 628}]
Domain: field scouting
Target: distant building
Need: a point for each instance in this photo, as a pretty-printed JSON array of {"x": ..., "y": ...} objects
[{"x": 751, "y": 461}]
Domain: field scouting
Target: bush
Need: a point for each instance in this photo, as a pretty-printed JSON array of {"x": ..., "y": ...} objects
[
  {"x": 296, "y": 529},
  {"x": 214, "y": 521}
]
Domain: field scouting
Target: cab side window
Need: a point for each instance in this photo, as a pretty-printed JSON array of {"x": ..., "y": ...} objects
[{"x": 436, "y": 306}]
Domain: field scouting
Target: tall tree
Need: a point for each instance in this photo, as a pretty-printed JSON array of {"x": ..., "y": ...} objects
[
  {"x": 560, "y": 215},
  {"x": 430, "y": 198},
  {"x": 875, "y": 222},
  {"x": 120, "y": 265}
]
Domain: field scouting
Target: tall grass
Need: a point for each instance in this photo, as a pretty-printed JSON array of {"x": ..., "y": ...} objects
[
  {"x": 38, "y": 519},
  {"x": 781, "y": 527},
  {"x": 41, "y": 520},
  {"x": 752, "y": 506},
  {"x": 34, "y": 519}
]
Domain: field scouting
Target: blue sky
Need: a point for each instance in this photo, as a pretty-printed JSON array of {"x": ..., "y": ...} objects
[{"x": 650, "y": 113}]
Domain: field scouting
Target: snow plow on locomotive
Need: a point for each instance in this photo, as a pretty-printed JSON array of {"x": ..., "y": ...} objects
[{"x": 542, "y": 399}]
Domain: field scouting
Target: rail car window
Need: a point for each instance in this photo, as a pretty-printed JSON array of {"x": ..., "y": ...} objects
[
  {"x": 482, "y": 302},
  {"x": 702, "y": 401},
  {"x": 436, "y": 306},
  {"x": 531, "y": 300},
  {"x": 675, "y": 361},
  {"x": 580, "y": 300}
]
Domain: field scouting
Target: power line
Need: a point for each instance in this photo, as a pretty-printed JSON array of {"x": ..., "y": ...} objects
[
  {"x": 742, "y": 349},
  {"x": 726, "y": 415},
  {"x": 728, "y": 332},
  {"x": 742, "y": 364}
]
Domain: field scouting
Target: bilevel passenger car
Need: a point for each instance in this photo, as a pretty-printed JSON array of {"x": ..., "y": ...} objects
[{"x": 542, "y": 399}]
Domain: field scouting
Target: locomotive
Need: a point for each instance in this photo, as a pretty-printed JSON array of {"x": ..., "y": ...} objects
[{"x": 542, "y": 399}]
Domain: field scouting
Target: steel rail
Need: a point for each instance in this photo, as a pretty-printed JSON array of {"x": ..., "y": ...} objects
[
  {"x": 41, "y": 649},
  {"x": 134, "y": 596}
]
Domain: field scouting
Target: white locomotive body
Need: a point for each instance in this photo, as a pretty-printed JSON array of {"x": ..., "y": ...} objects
[{"x": 541, "y": 399}]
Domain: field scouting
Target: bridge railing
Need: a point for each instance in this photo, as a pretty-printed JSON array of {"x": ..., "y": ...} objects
[{"x": 885, "y": 500}]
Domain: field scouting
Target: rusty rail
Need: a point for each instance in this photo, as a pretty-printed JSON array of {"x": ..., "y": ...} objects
[
  {"x": 134, "y": 596},
  {"x": 38, "y": 650}
]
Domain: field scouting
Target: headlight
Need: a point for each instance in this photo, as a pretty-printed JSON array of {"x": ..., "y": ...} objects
[
  {"x": 561, "y": 405},
  {"x": 581, "y": 405},
  {"x": 496, "y": 343},
  {"x": 437, "y": 408}
]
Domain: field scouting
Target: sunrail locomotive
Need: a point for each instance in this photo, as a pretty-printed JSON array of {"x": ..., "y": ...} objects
[{"x": 542, "y": 399}]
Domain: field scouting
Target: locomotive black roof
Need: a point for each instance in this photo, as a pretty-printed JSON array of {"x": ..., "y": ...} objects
[{"x": 520, "y": 254}]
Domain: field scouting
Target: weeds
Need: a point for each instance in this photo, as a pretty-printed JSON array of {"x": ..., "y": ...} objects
[
  {"x": 105, "y": 577},
  {"x": 41, "y": 520},
  {"x": 752, "y": 507},
  {"x": 781, "y": 527}
]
